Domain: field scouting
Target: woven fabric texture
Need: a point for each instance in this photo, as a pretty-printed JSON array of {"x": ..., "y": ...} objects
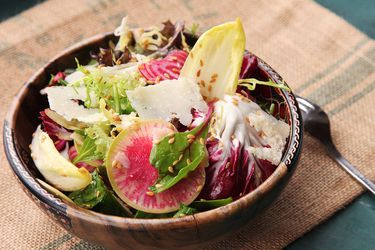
[{"x": 318, "y": 54}]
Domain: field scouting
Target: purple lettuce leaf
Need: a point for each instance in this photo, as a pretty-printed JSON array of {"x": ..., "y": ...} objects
[{"x": 57, "y": 133}]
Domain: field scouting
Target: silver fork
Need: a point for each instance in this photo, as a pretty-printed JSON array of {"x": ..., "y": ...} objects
[{"x": 316, "y": 123}]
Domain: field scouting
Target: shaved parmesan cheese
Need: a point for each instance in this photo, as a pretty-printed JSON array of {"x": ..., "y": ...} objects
[
  {"x": 244, "y": 122},
  {"x": 74, "y": 77},
  {"x": 275, "y": 133},
  {"x": 63, "y": 100},
  {"x": 128, "y": 120},
  {"x": 168, "y": 99},
  {"x": 78, "y": 75}
]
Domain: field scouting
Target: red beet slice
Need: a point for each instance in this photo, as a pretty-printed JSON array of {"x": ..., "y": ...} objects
[
  {"x": 131, "y": 173},
  {"x": 166, "y": 68}
]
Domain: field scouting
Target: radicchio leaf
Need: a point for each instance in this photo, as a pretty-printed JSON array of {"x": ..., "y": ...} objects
[
  {"x": 57, "y": 79},
  {"x": 110, "y": 57},
  {"x": 57, "y": 133},
  {"x": 233, "y": 175},
  {"x": 249, "y": 65},
  {"x": 237, "y": 147}
]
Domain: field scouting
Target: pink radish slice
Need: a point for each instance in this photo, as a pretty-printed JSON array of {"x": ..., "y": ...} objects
[
  {"x": 165, "y": 68},
  {"x": 131, "y": 173}
]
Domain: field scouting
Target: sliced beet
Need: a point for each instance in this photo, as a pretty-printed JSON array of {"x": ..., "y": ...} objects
[{"x": 131, "y": 173}]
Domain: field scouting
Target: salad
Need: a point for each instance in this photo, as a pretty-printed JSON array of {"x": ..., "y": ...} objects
[{"x": 153, "y": 127}]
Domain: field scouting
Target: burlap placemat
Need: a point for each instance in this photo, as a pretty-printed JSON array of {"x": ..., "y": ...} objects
[{"x": 321, "y": 57}]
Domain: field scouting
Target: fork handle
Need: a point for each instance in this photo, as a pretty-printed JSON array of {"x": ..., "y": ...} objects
[{"x": 354, "y": 172}]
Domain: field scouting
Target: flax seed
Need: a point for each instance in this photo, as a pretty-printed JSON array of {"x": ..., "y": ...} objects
[
  {"x": 170, "y": 169},
  {"x": 261, "y": 134},
  {"x": 209, "y": 88},
  {"x": 203, "y": 83},
  {"x": 157, "y": 79},
  {"x": 181, "y": 156},
  {"x": 170, "y": 126},
  {"x": 170, "y": 141},
  {"x": 175, "y": 162},
  {"x": 201, "y": 141},
  {"x": 43, "y": 138},
  {"x": 198, "y": 72},
  {"x": 227, "y": 165},
  {"x": 118, "y": 165},
  {"x": 201, "y": 62},
  {"x": 150, "y": 193},
  {"x": 114, "y": 163},
  {"x": 190, "y": 136},
  {"x": 116, "y": 118},
  {"x": 243, "y": 92}
]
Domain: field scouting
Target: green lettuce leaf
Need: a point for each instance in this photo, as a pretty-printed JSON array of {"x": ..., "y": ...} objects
[
  {"x": 184, "y": 210},
  {"x": 176, "y": 160},
  {"x": 203, "y": 205},
  {"x": 100, "y": 133},
  {"x": 250, "y": 84},
  {"x": 98, "y": 197},
  {"x": 144, "y": 215},
  {"x": 87, "y": 151}
]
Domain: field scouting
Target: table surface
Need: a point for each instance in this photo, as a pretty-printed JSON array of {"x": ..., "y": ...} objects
[{"x": 354, "y": 226}]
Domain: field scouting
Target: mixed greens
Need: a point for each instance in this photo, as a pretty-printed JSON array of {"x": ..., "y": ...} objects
[{"x": 152, "y": 127}]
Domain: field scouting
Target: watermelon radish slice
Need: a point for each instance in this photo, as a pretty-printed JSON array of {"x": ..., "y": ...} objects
[
  {"x": 131, "y": 173},
  {"x": 164, "y": 69}
]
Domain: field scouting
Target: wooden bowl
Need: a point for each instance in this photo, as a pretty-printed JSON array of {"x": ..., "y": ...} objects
[{"x": 116, "y": 232}]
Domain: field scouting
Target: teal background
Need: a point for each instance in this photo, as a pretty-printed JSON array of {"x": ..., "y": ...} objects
[
  {"x": 360, "y": 13},
  {"x": 354, "y": 226}
]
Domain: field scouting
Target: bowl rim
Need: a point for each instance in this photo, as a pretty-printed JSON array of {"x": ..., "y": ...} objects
[{"x": 19, "y": 167}]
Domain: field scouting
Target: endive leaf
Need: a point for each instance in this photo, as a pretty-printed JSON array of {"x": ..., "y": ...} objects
[{"x": 215, "y": 60}]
